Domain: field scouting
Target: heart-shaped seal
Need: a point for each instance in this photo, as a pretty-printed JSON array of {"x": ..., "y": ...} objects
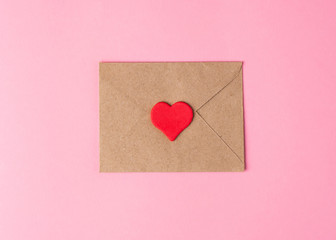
[{"x": 171, "y": 120}]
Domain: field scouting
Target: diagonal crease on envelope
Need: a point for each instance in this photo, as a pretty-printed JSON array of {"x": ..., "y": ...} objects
[
  {"x": 241, "y": 155},
  {"x": 214, "y": 141}
]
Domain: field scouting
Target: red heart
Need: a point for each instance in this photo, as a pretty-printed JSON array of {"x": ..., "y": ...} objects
[{"x": 171, "y": 120}]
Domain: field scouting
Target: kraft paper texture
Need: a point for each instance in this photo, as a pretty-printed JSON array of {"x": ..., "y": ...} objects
[{"x": 213, "y": 142}]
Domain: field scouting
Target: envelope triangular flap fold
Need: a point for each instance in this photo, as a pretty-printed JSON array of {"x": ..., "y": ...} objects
[{"x": 224, "y": 113}]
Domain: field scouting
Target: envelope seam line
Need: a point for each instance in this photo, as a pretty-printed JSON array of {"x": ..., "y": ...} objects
[
  {"x": 234, "y": 78},
  {"x": 219, "y": 136}
]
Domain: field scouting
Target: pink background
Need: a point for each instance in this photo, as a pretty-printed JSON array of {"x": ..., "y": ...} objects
[{"x": 50, "y": 187}]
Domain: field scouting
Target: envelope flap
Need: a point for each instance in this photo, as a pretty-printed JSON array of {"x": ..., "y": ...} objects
[{"x": 224, "y": 113}]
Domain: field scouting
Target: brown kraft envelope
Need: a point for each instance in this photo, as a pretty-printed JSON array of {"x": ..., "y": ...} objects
[{"x": 213, "y": 142}]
